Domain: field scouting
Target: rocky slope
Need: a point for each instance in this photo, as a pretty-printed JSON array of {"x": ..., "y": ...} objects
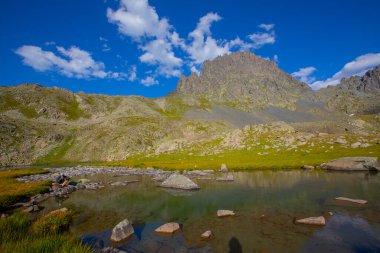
[{"x": 220, "y": 110}]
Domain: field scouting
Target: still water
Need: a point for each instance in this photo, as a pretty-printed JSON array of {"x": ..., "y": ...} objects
[{"x": 266, "y": 205}]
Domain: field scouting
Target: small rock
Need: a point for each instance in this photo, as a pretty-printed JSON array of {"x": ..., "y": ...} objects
[
  {"x": 313, "y": 221},
  {"x": 308, "y": 167},
  {"x": 358, "y": 201},
  {"x": 355, "y": 145},
  {"x": 120, "y": 183},
  {"x": 122, "y": 231},
  {"x": 223, "y": 168},
  {"x": 206, "y": 235},
  {"x": 224, "y": 213},
  {"x": 340, "y": 141},
  {"x": 168, "y": 228}
]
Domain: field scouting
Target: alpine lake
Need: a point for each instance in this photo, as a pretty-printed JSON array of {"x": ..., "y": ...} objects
[{"x": 266, "y": 203}]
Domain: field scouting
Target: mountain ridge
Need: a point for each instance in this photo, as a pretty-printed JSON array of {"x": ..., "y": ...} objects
[{"x": 54, "y": 125}]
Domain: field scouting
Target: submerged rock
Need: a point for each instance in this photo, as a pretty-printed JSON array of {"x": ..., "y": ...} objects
[
  {"x": 177, "y": 181},
  {"x": 320, "y": 221},
  {"x": 224, "y": 213},
  {"x": 226, "y": 177},
  {"x": 206, "y": 235},
  {"x": 168, "y": 228},
  {"x": 352, "y": 164},
  {"x": 357, "y": 201},
  {"x": 122, "y": 231}
]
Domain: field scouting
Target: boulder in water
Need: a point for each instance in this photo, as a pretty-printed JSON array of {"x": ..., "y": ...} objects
[
  {"x": 357, "y": 201},
  {"x": 177, "y": 181},
  {"x": 122, "y": 231},
  {"x": 206, "y": 235},
  {"x": 168, "y": 228},
  {"x": 224, "y": 213},
  {"x": 321, "y": 221}
]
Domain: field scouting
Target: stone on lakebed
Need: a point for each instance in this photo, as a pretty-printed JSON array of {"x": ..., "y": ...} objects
[
  {"x": 206, "y": 235},
  {"x": 224, "y": 213},
  {"x": 168, "y": 228},
  {"x": 357, "y": 201},
  {"x": 321, "y": 221}
]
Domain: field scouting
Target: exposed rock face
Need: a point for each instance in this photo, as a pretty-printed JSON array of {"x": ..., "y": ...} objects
[
  {"x": 122, "y": 231},
  {"x": 352, "y": 164},
  {"x": 224, "y": 213},
  {"x": 180, "y": 182},
  {"x": 244, "y": 80},
  {"x": 168, "y": 228},
  {"x": 321, "y": 221},
  {"x": 369, "y": 83},
  {"x": 355, "y": 94}
]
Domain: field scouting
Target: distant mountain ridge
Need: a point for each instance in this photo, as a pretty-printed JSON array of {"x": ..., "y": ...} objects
[{"x": 45, "y": 125}]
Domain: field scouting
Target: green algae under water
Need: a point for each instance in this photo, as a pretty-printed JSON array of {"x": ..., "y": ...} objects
[{"x": 266, "y": 205}]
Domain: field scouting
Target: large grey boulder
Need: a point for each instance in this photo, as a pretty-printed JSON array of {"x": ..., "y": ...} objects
[
  {"x": 122, "y": 231},
  {"x": 177, "y": 181},
  {"x": 352, "y": 164}
]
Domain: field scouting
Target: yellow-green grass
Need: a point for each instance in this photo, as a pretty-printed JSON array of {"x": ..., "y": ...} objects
[
  {"x": 12, "y": 190},
  {"x": 248, "y": 159},
  {"x": 17, "y": 235}
]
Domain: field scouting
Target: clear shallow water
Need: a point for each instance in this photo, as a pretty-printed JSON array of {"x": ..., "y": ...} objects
[{"x": 266, "y": 203}]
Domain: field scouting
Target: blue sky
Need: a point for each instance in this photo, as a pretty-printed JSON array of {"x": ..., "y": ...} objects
[{"x": 142, "y": 47}]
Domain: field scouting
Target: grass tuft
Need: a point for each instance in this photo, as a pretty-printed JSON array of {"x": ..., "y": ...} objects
[{"x": 12, "y": 191}]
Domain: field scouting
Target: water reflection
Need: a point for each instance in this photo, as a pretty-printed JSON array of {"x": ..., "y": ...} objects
[
  {"x": 344, "y": 233},
  {"x": 266, "y": 203}
]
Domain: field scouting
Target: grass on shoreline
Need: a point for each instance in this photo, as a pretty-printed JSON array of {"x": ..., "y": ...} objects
[
  {"x": 18, "y": 236},
  {"x": 12, "y": 191},
  {"x": 246, "y": 159}
]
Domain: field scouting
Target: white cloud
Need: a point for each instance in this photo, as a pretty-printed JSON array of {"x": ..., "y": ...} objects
[
  {"x": 73, "y": 62},
  {"x": 266, "y": 27},
  {"x": 159, "y": 41},
  {"x": 139, "y": 20},
  {"x": 159, "y": 52},
  {"x": 105, "y": 46},
  {"x": 133, "y": 73},
  {"x": 136, "y": 18},
  {"x": 149, "y": 81},
  {"x": 304, "y": 74},
  {"x": 357, "y": 67},
  {"x": 204, "y": 46},
  {"x": 275, "y": 59}
]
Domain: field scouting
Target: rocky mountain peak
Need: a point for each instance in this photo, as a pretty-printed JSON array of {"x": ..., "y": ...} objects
[
  {"x": 369, "y": 83},
  {"x": 243, "y": 77}
]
